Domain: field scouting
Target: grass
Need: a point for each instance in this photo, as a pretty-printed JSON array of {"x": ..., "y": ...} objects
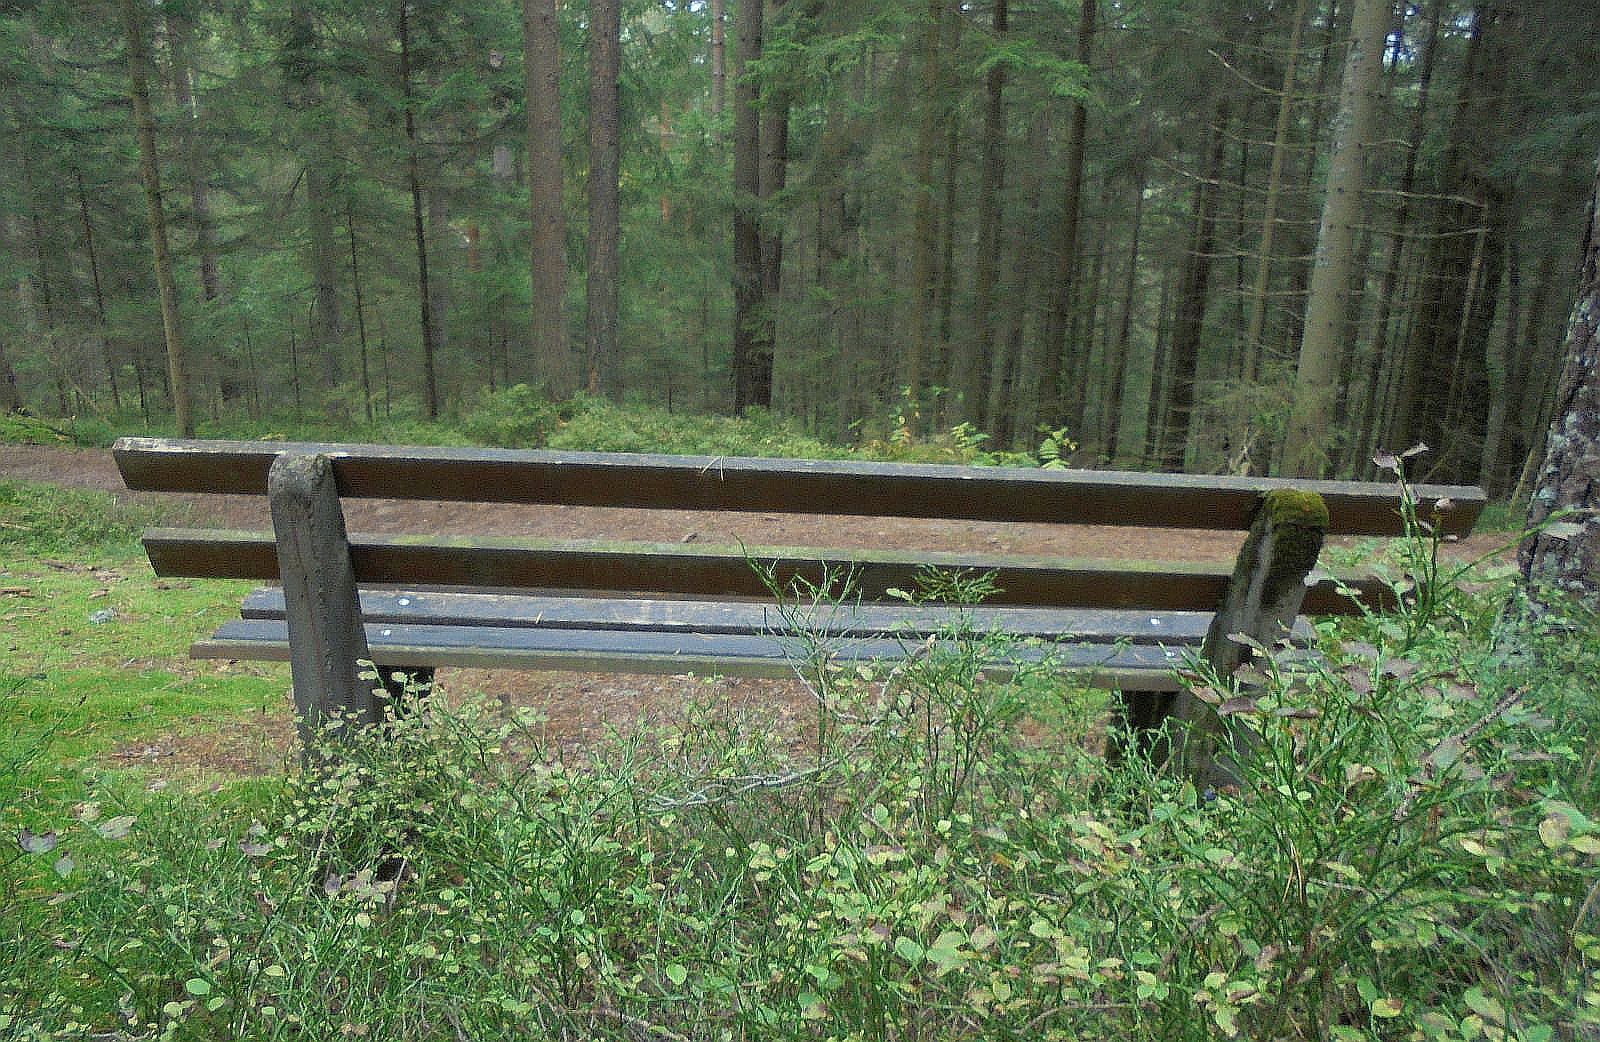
[{"x": 96, "y": 646}]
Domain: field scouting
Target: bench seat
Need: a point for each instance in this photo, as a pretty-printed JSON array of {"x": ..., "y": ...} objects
[{"x": 421, "y": 628}]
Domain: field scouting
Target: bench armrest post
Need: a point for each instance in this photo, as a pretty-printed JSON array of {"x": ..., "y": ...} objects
[
  {"x": 1262, "y": 602},
  {"x": 326, "y": 638}
]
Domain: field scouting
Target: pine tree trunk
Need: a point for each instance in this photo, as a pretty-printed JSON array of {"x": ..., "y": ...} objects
[
  {"x": 1118, "y": 362},
  {"x": 924, "y": 287},
  {"x": 605, "y": 71},
  {"x": 752, "y": 356},
  {"x": 1380, "y": 362},
  {"x": 1307, "y": 451},
  {"x": 150, "y": 174},
  {"x": 1269, "y": 217},
  {"x": 99, "y": 295},
  {"x": 549, "y": 358},
  {"x": 1053, "y": 395},
  {"x": 430, "y": 377},
  {"x": 1430, "y": 377},
  {"x": 719, "y": 57},
  {"x": 1189, "y": 320},
  {"x": 973, "y": 356},
  {"x": 180, "y": 34},
  {"x": 361, "y": 316},
  {"x": 1155, "y": 406},
  {"x": 316, "y": 151},
  {"x": 1563, "y": 560}
]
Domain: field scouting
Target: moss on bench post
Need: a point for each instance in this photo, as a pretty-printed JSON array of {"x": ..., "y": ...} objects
[
  {"x": 326, "y": 637},
  {"x": 1262, "y": 602}
]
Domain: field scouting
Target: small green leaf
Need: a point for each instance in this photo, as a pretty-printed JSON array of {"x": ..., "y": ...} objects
[
  {"x": 677, "y": 973},
  {"x": 197, "y": 986},
  {"x": 1484, "y": 1006},
  {"x": 908, "y": 950},
  {"x": 1387, "y": 1008}
]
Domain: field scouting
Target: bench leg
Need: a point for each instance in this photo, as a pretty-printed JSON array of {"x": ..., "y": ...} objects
[{"x": 326, "y": 638}]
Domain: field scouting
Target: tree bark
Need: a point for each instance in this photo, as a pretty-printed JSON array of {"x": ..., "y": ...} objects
[
  {"x": 605, "y": 70},
  {"x": 1053, "y": 394},
  {"x": 970, "y": 362},
  {"x": 1563, "y": 561},
  {"x": 1307, "y": 449},
  {"x": 430, "y": 378},
  {"x": 361, "y": 316},
  {"x": 752, "y": 356},
  {"x": 924, "y": 288},
  {"x": 1389, "y": 289},
  {"x": 1189, "y": 321},
  {"x": 150, "y": 174},
  {"x": 99, "y": 295},
  {"x": 1118, "y": 362},
  {"x": 315, "y": 148},
  {"x": 549, "y": 358},
  {"x": 1269, "y": 216},
  {"x": 719, "y": 57},
  {"x": 180, "y": 34}
]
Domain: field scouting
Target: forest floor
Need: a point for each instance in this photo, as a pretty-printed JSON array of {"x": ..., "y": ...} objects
[{"x": 580, "y": 708}]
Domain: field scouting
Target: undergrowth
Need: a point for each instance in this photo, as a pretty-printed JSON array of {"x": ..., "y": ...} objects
[
  {"x": 522, "y": 417},
  {"x": 1411, "y": 854}
]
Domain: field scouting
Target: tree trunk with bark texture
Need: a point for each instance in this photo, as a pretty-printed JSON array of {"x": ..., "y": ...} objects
[
  {"x": 1308, "y": 450},
  {"x": 150, "y": 174},
  {"x": 180, "y": 34},
  {"x": 1563, "y": 561},
  {"x": 1118, "y": 362},
  {"x": 549, "y": 357},
  {"x": 1053, "y": 394},
  {"x": 605, "y": 71},
  {"x": 1189, "y": 321},
  {"x": 752, "y": 357},
  {"x": 1380, "y": 360},
  {"x": 1269, "y": 217},
  {"x": 970, "y": 359},
  {"x": 430, "y": 377}
]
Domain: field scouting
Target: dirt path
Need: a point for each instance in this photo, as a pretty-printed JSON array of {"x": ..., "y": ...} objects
[{"x": 581, "y": 707}]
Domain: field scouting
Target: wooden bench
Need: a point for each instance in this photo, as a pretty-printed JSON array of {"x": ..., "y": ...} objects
[{"x": 415, "y": 602}]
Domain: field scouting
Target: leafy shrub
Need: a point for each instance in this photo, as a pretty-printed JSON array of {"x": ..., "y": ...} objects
[{"x": 517, "y": 417}]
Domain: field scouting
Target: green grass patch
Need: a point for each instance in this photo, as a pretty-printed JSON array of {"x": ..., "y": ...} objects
[{"x": 98, "y": 657}]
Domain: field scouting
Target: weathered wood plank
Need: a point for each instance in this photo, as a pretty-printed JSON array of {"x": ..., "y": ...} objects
[
  {"x": 321, "y": 608},
  {"x": 779, "y": 485},
  {"x": 623, "y": 613},
  {"x": 711, "y": 572},
  {"x": 1147, "y": 666}
]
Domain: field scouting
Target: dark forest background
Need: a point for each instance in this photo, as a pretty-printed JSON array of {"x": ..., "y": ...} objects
[{"x": 1096, "y": 219}]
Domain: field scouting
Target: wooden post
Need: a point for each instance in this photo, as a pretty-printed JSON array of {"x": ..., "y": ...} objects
[
  {"x": 1262, "y": 602},
  {"x": 326, "y": 639}
]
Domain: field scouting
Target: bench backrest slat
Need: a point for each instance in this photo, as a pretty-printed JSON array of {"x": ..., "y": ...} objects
[
  {"x": 673, "y": 568},
  {"x": 781, "y": 486}
]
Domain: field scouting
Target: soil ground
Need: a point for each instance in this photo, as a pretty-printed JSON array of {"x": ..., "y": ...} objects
[{"x": 579, "y": 708}]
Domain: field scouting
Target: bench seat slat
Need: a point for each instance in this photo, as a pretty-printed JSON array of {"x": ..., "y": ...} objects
[
  {"x": 750, "y": 617},
  {"x": 711, "y": 572},
  {"x": 1142, "y": 667},
  {"x": 780, "y": 485}
]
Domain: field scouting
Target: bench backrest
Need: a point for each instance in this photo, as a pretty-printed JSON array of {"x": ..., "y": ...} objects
[
  {"x": 1087, "y": 497},
  {"x": 759, "y": 485}
]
